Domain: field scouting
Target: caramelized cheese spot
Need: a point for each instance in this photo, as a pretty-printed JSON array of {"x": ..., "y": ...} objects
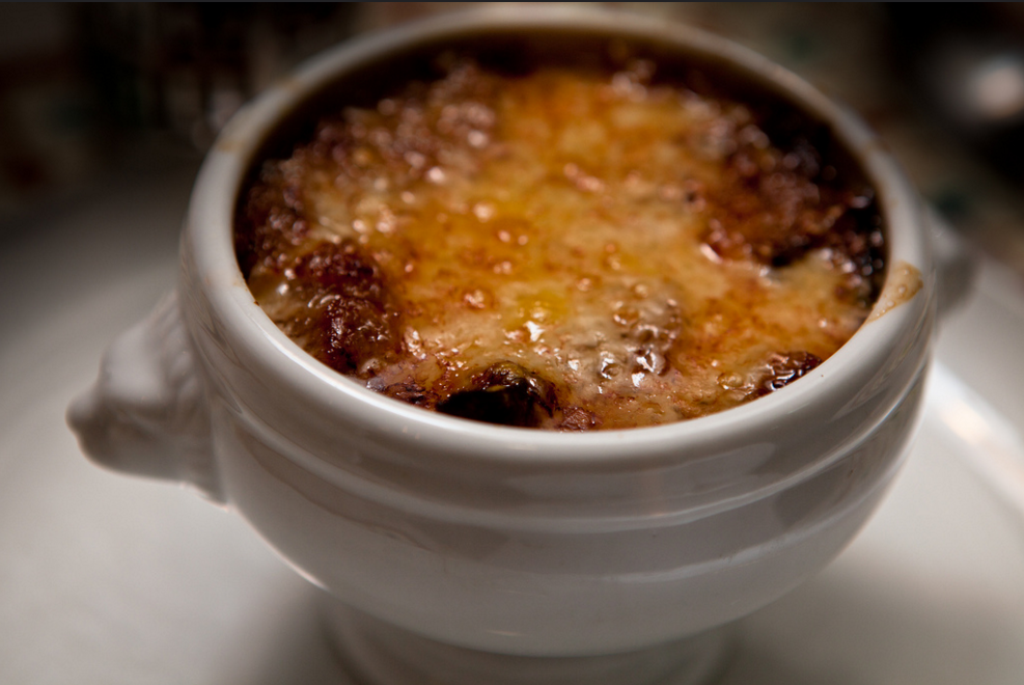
[{"x": 560, "y": 250}]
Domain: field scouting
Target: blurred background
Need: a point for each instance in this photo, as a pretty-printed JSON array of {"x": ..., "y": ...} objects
[{"x": 92, "y": 95}]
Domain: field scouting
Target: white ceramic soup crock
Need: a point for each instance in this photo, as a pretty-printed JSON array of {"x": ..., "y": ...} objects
[{"x": 462, "y": 547}]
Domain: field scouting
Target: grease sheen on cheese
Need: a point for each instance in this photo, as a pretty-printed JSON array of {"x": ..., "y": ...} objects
[{"x": 562, "y": 249}]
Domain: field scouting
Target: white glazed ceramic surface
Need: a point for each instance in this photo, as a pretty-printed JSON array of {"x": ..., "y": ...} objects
[{"x": 500, "y": 539}]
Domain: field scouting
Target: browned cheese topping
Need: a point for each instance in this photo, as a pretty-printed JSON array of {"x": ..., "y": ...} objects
[{"x": 559, "y": 250}]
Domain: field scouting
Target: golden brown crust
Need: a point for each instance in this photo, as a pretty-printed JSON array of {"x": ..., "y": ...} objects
[{"x": 560, "y": 249}]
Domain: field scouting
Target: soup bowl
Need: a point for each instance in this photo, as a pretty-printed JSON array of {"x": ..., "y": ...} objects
[{"x": 477, "y": 553}]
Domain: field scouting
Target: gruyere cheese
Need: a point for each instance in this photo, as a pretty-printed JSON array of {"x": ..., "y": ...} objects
[{"x": 563, "y": 249}]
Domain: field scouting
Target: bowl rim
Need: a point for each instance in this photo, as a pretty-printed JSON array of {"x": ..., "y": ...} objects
[{"x": 209, "y": 230}]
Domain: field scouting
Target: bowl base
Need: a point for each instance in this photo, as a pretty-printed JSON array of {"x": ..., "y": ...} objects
[{"x": 378, "y": 653}]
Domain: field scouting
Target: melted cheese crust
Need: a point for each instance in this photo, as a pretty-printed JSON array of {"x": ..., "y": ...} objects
[{"x": 637, "y": 253}]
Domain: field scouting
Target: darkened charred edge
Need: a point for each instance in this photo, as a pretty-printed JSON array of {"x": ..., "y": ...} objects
[
  {"x": 351, "y": 322},
  {"x": 504, "y": 394},
  {"x": 508, "y": 50},
  {"x": 249, "y": 223},
  {"x": 869, "y": 258},
  {"x": 852, "y": 236},
  {"x": 783, "y": 369}
]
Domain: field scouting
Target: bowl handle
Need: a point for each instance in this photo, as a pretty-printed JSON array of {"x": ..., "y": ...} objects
[{"x": 148, "y": 412}]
